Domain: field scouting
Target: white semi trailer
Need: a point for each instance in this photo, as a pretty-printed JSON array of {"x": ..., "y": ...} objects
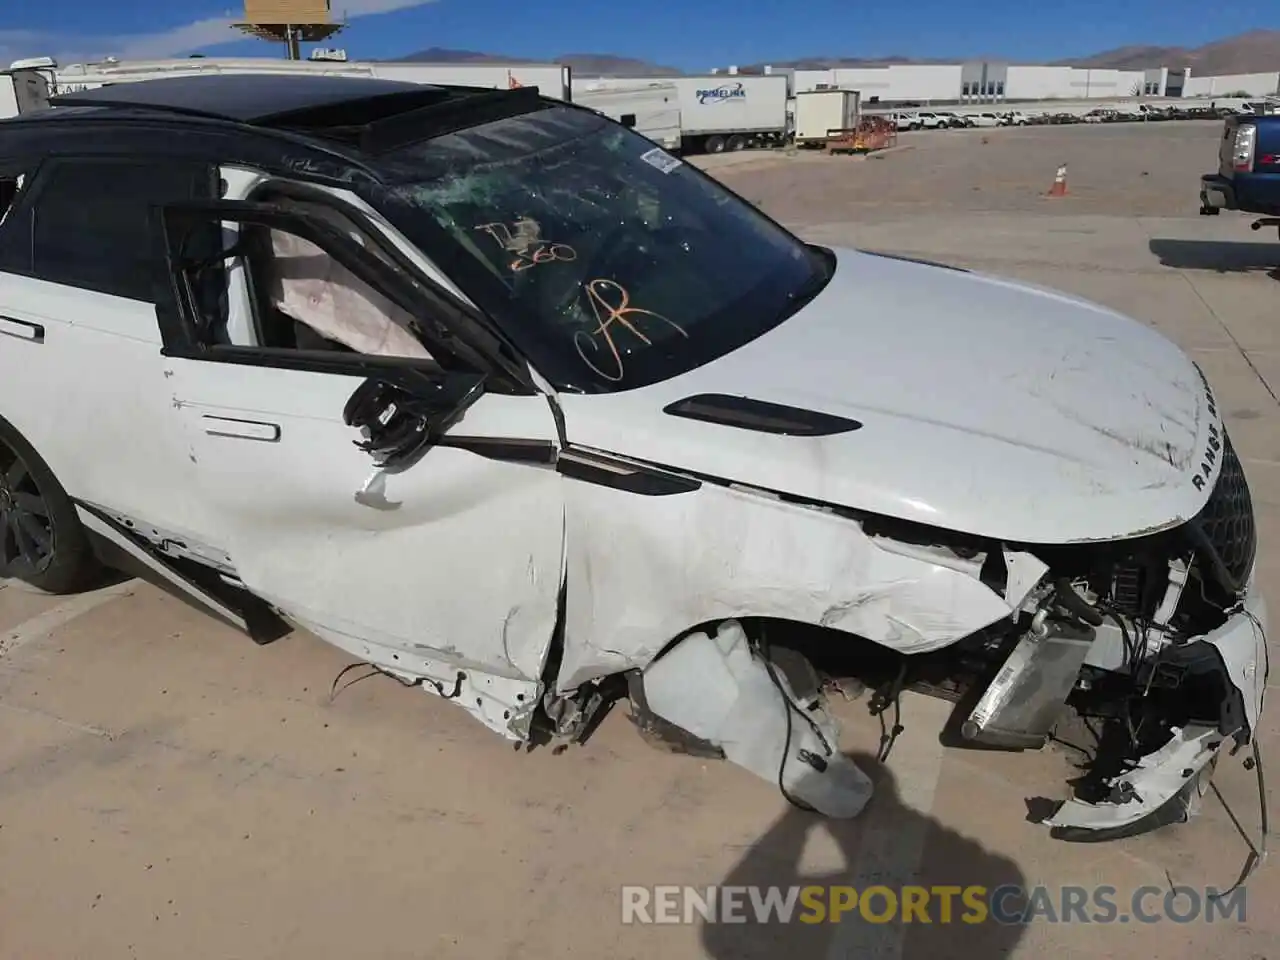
[
  {"x": 722, "y": 112},
  {"x": 24, "y": 87},
  {"x": 819, "y": 112},
  {"x": 553, "y": 80},
  {"x": 651, "y": 109}
]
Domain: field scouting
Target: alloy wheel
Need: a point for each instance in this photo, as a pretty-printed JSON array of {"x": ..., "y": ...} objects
[{"x": 26, "y": 530}]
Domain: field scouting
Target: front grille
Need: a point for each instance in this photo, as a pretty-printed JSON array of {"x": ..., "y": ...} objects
[{"x": 1226, "y": 523}]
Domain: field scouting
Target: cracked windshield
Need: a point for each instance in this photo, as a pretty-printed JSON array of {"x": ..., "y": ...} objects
[{"x": 614, "y": 263}]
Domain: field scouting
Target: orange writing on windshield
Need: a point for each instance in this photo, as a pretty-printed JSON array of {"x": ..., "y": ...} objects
[
  {"x": 524, "y": 239},
  {"x": 611, "y": 305}
]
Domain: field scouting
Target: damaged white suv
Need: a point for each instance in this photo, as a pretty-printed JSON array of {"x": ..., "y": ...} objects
[{"x": 489, "y": 391}]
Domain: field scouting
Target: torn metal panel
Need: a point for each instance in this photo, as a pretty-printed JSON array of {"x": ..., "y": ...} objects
[
  {"x": 503, "y": 704},
  {"x": 117, "y": 535},
  {"x": 1242, "y": 643},
  {"x": 642, "y": 570},
  {"x": 1025, "y": 571},
  {"x": 171, "y": 543}
]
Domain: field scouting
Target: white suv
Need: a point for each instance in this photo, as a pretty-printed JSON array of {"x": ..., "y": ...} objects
[{"x": 497, "y": 396}]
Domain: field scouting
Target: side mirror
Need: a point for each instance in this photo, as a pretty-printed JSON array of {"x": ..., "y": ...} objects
[{"x": 403, "y": 413}]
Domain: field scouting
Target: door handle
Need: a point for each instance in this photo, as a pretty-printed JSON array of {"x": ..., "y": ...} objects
[
  {"x": 22, "y": 329},
  {"x": 241, "y": 429}
]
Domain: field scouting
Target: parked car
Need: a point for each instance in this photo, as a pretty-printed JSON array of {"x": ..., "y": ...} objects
[
  {"x": 928, "y": 120},
  {"x": 499, "y": 397},
  {"x": 1056, "y": 119},
  {"x": 953, "y": 121},
  {"x": 984, "y": 120},
  {"x": 1014, "y": 119},
  {"x": 1248, "y": 174}
]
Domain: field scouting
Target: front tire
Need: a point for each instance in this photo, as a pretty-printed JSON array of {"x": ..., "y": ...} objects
[{"x": 42, "y": 541}]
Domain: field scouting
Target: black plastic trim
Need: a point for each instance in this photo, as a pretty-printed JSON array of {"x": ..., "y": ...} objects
[
  {"x": 760, "y": 416},
  {"x": 314, "y": 361},
  {"x": 619, "y": 475},
  {"x": 503, "y": 449}
]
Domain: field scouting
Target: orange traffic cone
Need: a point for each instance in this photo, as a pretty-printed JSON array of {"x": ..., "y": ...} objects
[{"x": 1059, "y": 188}]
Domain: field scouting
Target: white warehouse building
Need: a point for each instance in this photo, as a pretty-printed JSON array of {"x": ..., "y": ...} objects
[
  {"x": 1250, "y": 84},
  {"x": 992, "y": 82}
]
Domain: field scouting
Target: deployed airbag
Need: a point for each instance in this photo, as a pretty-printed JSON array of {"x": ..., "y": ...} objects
[{"x": 313, "y": 288}]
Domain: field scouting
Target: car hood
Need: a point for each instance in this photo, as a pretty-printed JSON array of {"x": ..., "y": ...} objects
[{"x": 986, "y": 406}]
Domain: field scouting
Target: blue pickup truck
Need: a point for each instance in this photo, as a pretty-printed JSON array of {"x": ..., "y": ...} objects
[{"x": 1248, "y": 177}]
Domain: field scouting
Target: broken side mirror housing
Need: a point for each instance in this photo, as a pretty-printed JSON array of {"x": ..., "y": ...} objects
[{"x": 402, "y": 414}]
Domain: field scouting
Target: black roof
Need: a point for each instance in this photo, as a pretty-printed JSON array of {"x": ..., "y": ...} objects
[
  {"x": 350, "y": 119},
  {"x": 254, "y": 98}
]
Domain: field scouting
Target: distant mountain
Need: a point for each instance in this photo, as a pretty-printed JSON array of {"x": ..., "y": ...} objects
[
  {"x": 1257, "y": 51},
  {"x": 594, "y": 64},
  {"x": 824, "y": 63},
  {"x": 445, "y": 55}
]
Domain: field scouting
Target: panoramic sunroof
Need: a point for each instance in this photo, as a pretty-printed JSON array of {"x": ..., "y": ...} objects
[
  {"x": 246, "y": 98},
  {"x": 376, "y": 115}
]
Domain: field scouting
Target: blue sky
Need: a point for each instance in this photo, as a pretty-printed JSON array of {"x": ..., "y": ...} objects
[{"x": 684, "y": 33}]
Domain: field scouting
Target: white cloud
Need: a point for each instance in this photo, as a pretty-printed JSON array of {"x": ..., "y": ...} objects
[{"x": 209, "y": 32}]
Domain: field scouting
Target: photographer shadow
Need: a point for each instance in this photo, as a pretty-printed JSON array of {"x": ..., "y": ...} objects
[{"x": 890, "y": 846}]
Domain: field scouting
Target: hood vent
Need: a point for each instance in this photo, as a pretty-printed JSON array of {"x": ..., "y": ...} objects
[{"x": 748, "y": 414}]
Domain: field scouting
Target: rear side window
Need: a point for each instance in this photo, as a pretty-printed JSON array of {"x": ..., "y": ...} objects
[
  {"x": 92, "y": 223},
  {"x": 15, "y": 230},
  {"x": 9, "y": 187}
]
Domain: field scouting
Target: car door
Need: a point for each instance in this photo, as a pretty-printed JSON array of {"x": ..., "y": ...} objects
[
  {"x": 78, "y": 306},
  {"x": 441, "y": 557}
]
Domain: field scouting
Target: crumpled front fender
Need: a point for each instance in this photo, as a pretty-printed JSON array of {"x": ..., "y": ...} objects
[{"x": 641, "y": 570}]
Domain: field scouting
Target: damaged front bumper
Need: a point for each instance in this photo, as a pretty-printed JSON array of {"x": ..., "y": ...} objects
[{"x": 1159, "y": 788}]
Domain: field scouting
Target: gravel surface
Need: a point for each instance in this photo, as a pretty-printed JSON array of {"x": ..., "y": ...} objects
[{"x": 1142, "y": 169}]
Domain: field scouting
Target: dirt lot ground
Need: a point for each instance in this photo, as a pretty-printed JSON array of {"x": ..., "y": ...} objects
[{"x": 169, "y": 790}]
